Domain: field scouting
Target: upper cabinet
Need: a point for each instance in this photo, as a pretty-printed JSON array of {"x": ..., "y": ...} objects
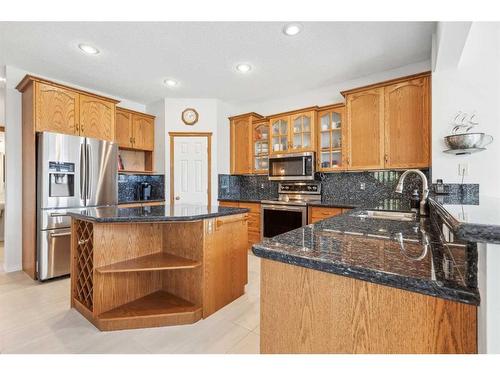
[
  {"x": 331, "y": 139},
  {"x": 388, "y": 124},
  {"x": 242, "y": 142},
  {"x": 62, "y": 109},
  {"x": 407, "y": 124},
  {"x": 381, "y": 126},
  {"x": 56, "y": 109},
  {"x": 293, "y": 132},
  {"x": 260, "y": 147},
  {"x": 135, "y": 130},
  {"x": 365, "y": 133},
  {"x": 97, "y": 118}
]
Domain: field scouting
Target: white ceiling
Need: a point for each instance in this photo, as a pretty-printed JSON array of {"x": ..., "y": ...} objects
[{"x": 136, "y": 57}]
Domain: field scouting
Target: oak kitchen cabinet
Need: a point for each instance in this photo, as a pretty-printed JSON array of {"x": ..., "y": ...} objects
[
  {"x": 388, "y": 124},
  {"x": 254, "y": 232},
  {"x": 134, "y": 130},
  {"x": 260, "y": 148},
  {"x": 62, "y": 109},
  {"x": 332, "y": 135},
  {"x": 293, "y": 131},
  {"x": 317, "y": 213},
  {"x": 241, "y": 142}
]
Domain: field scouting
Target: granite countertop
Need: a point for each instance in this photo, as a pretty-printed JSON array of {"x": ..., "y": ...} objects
[
  {"x": 240, "y": 200},
  {"x": 368, "y": 249},
  {"x": 178, "y": 212},
  {"x": 141, "y": 201},
  {"x": 474, "y": 220}
]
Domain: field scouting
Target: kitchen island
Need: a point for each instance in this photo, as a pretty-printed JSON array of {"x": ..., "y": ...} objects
[
  {"x": 151, "y": 266},
  {"x": 355, "y": 284}
]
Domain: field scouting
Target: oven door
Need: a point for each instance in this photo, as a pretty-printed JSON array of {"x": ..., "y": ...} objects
[
  {"x": 278, "y": 219},
  {"x": 292, "y": 167}
]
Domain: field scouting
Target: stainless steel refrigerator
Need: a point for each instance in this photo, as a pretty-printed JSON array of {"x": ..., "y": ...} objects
[{"x": 72, "y": 172}]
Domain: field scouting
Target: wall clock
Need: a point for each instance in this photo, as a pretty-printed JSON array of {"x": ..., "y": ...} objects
[{"x": 189, "y": 116}]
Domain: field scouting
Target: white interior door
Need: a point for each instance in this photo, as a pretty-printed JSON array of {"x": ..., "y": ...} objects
[{"x": 190, "y": 170}]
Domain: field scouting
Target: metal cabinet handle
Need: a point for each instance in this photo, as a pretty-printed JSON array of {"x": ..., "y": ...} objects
[{"x": 57, "y": 214}]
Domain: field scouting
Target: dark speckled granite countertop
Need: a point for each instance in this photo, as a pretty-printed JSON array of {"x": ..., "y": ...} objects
[
  {"x": 368, "y": 249},
  {"x": 179, "y": 212}
]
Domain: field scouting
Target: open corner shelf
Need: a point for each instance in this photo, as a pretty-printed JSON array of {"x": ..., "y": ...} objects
[
  {"x": 154, "y": 262},
  {"x": 157, "y": 304}
]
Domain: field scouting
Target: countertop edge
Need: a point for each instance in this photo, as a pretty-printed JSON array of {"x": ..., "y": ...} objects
[
  {"x": 149, "y": 219},
  {"x": 468, "y": 231},
  {"x": 363, "y": 274}
]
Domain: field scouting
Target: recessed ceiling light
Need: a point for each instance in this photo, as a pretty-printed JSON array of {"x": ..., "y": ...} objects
[
  {"x": 243, "y": 68},
  {"x": 87, "y": 48},
  {"x": 292, "y": 29},
  {"x": 170, "y": 82}
]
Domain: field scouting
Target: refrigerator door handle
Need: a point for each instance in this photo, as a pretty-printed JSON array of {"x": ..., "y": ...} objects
[
  {"x": 89, "y": 167},
  {"x": 83, "y": 172}
]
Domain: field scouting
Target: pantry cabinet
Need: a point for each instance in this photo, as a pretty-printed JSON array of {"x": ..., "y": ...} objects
[
  {"x": 293, "y": 132},
  {"x": 331, "y": 141},
  {"x": 242, "y": 142}
]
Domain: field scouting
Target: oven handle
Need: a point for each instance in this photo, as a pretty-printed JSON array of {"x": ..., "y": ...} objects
[{"x": 284, "y": 208}]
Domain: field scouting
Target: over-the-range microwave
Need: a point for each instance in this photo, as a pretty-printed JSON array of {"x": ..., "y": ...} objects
[{"x": 292, "y": 167}]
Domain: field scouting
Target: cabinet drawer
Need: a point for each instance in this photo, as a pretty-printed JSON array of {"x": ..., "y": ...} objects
[
  {"x": 320, "y": 213},
  {"x": 229, "y": 204},
  {"x": 253, "y": 207}
]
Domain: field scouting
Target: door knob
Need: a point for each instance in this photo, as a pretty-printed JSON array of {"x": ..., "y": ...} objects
[{"x": 177, "y": 198}]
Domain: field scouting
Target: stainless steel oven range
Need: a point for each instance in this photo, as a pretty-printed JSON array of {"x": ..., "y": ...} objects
[{"x": 290, "y": 210}]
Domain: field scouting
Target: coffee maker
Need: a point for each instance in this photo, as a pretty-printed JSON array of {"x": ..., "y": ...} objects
[{"x": 143, "y": 192}]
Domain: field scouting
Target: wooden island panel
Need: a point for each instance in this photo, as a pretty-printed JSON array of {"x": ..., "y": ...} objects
[{"x": 308, "y": 311}]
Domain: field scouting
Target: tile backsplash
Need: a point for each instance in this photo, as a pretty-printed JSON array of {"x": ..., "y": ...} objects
[
  {"x": 128, "y": 183},
  {"x": 356, "y": 186}
]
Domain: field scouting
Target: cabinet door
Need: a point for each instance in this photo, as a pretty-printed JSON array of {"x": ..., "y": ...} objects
[
  {"x": 407, "y": 123},
  {"x": 97, "y": 118},
  {"x": 261, "y": 148},
  {"x": 241, "y": 143},
  {"x": 331, "y": 140},
  {"x": 321, "y": 213},
  {"x": 365, "y": 111},
  {"x": 143, "y": 132},
  {"x": 123, "y": 130},
  {"x": 225, "y": 261},
  {"x": 56, "y": 109},
  {"x": 279, "y": 135},
  {"x": 302, "y": 132}
]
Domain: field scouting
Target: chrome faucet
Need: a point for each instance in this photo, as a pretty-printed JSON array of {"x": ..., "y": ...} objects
[{"x": 425, "y": 188}]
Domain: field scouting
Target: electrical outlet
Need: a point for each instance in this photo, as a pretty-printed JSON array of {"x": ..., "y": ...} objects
[
  {"x": 463, "y": 169},
  {"x": 362, "y": 186}
]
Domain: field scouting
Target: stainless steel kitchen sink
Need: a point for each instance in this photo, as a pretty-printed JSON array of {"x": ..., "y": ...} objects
[{"x": 387, "y": 215}]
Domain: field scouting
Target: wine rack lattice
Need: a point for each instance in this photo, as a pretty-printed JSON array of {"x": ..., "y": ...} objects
[{"x": 85, "y": 263}]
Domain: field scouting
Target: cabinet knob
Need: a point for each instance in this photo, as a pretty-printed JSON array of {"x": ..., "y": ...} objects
[{"x": 177, "y": 198}]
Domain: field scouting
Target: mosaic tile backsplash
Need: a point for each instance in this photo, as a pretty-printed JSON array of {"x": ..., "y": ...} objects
[
  {"x": 354, "y": 186},
  {"x": 128, "y": 183}
]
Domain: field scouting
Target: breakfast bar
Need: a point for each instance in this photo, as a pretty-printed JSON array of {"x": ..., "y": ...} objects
[{"x": 162, "y": 265}]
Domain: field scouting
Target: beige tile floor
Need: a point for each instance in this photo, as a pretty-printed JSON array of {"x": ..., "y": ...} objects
[{"x": 36, "y": 318}]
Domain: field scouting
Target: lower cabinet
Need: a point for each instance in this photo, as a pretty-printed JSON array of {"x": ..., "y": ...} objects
[
  {"x": 319, "y": 213},
  {"x": 254, "y": 233}
]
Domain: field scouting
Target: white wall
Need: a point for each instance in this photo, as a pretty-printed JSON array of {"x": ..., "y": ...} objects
[
  {"x": 326, "y": 95},
  {"x": 473, "y": 85},
  {"x": 158, "y": 109},
  {"x": 207, "y": 122},
  {"x": 13, "y": 146}
]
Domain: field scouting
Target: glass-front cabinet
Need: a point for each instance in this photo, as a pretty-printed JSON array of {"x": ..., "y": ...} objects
[
  {"x": 261, "y": 147},
  {"x": 293, "y": 133},
  {"x": 331, "y": 151},
  {"x": 279, "y": 134}
]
